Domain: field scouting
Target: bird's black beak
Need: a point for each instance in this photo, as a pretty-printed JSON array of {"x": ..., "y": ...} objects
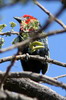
[{"x": 19, "y": 19}]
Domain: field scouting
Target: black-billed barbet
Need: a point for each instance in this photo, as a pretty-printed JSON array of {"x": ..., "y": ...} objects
[{"x": 28, "y": 25}]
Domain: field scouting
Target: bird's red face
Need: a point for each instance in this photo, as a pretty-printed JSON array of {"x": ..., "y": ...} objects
[
  {"x": 28, "y": 23},
  {"x": 28, "y": 18}
]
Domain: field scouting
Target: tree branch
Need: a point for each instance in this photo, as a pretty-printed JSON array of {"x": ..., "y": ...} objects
[
  {"x": 9, "y": 33},
  {"x": 6, "y": 95},
  {"x": 35, "y": 77},
  {"x": 32, "y": 89},
  {"x": 23, "y": 43},
  {"x": 51, "y": 16},
  {"x": 61, "y": 76},
  {"x": 7, "y": 71},
  {"x": 45, "y": 59},
  {"x": 44, "y": 35}
]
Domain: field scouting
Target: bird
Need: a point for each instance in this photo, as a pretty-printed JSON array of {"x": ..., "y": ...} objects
[{"x": 29, "y": 25}]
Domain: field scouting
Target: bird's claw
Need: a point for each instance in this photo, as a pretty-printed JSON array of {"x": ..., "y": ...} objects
[{"x": 27, "y": 56}]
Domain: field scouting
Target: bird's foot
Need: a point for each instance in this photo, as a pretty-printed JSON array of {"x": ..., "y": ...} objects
[{"x": 27, "y": 56}]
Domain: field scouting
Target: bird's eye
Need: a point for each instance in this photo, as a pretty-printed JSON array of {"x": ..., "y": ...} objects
[{"x": 28, "y": 17}]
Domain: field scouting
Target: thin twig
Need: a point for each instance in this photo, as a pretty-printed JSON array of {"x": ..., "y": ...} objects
[
  {"x": 23, "y": 43},
  {"x": 50, "y": 0},
  {"x": 61, "y": 76},
  {"x": 49, "y": 33},
  {"x": 16, "y": 45},
  {"x": 49, "y": 60},
  {"x": 48, "y": 22},
  {"x": 18, "y": 57},
  {"x": 7, "y": 71},
  {"x": 9, "y": 33},
  {"x": 7, "y": 4},
  {"x": 51, "y": 16}
]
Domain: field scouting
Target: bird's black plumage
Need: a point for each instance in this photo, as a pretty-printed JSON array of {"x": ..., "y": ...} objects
[
  {"x": 31, "y": 64},
  {"x": 35, "y": 65}
]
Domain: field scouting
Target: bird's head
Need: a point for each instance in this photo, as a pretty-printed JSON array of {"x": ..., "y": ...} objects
[{"x": 28, "y": 23}]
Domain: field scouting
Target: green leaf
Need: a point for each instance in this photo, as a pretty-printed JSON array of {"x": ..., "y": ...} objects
[
  {"x": 16, "y": 40},
  {"x": 1, "y": 42},
  {"x": 12, "y": 24},
  {"x": 2, "y": 26}
]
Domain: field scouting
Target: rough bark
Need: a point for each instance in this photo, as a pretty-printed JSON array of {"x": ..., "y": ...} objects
[
  {"x": 32, "y": 89},
  {"x": 6, "y": 95}
]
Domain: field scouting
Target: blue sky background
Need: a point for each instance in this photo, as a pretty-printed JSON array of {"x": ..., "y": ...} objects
[{"x": 56, "y": 43}]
